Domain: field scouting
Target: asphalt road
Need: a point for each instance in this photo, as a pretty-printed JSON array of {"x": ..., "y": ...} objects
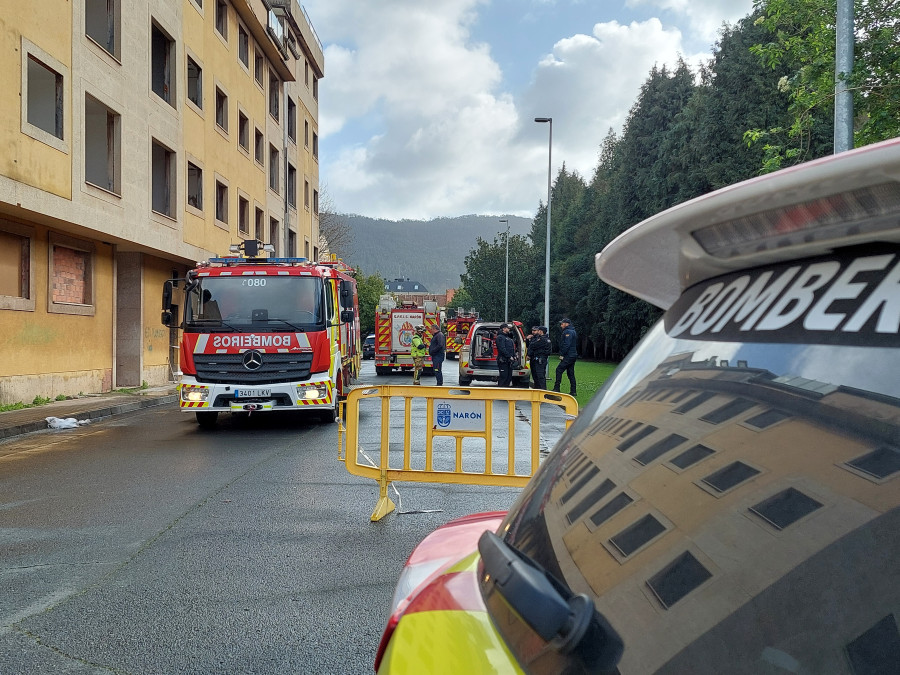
[{"x": 143, "y": 544}]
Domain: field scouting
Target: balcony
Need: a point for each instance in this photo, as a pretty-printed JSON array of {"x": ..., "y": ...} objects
[{"x": 301, "y": 25}]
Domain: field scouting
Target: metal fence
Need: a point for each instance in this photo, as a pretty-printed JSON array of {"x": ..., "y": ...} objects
[{"x": 457, "y": 414}]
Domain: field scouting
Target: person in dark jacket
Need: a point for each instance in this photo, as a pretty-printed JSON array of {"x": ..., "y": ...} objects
[
  {"x": 538, "y": 354},
  {"x": 436, "y": 348},
  {"x": 568, "y": 354},
  {"x": 506, "y": 352}
]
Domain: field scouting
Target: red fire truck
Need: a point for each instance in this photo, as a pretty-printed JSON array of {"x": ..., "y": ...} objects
[
  {"x": 394, "y": 329},
  {"x": 264, "y": 334},
  {"x": 457, "y": 330}
]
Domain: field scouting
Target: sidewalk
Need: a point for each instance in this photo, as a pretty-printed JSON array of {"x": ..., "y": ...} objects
[{"x": 90, "y": 407}]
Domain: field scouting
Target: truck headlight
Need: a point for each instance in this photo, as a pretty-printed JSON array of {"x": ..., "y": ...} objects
[
  {"x": 194, "y": 394},
  {"x": 312, "y": 391}
]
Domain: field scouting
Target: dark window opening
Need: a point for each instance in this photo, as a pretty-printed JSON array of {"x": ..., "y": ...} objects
[
  {"x": 222, "y": 18},
  {"x": 243, "y": 131},
  {"x": 729, "y": 476},
  {"x": 194, "y": 186},
  {"x": 590, "y": 499},
  {"x": 683, "y": 395},
  {"x": 785, "y": 508},
  {"x": 636, "y": 438},
  {"x": 162, "y": 56},
  {"x": 660, "y": 448},
  {"x": 692, "y": 456},
  {"x": 611, "y": 508},
  {"x": 584, "y": 480},
  {"x": 637, "y": 534},
  {"x": 727, "y": 411},
  {"x": 194, "y": 83},
  {"x": 221, "y": 110},
  {"x": 699, "y": 399},
  {"x": 45, "y": 97},
  {"x": 767, "y": 418},
  {"x": 881, "y": 463},
  {"x": 678, "y": 579}
]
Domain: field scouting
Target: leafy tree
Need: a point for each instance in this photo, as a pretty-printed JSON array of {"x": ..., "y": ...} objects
[
  {"x": 369, "y": 289},
  {"x": 484, "y": 281},
  {"x": 801, "y": 45}
]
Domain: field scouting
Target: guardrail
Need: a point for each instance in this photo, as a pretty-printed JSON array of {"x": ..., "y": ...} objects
[{"x": 458, "y": 413}]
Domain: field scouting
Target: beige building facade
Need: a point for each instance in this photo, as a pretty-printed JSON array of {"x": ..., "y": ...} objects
[{"x": 144, "y": 136}]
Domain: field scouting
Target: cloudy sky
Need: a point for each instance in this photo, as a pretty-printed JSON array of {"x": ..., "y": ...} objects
[{"x": 427, "y": 106}]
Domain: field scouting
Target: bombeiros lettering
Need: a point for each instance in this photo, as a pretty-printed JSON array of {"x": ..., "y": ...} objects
[
  {"x": 817, "y": 296},
  {"x": 252, "y": 340}
]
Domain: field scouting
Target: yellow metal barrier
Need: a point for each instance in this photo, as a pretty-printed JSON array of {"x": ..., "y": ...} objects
[{"x": 449, "y": 412}]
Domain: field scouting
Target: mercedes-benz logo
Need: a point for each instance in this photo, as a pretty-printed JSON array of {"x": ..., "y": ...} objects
[{"x": 252, "y": 359}]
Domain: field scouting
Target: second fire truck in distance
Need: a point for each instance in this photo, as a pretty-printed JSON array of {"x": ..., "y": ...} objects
[
  {"x": 394, "y": 329},
  {"x": 265, "y": 334},
  {"x": 457, "y": 329}
]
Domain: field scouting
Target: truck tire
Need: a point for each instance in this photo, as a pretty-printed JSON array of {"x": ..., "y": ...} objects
[
  {"x": 329, "y": 415},
  {"x": 522, "y": 382},
  {"x": 381, "y": 370},
  {"x": 464, "y": 381},
  {"x": 207, "y": 419}
]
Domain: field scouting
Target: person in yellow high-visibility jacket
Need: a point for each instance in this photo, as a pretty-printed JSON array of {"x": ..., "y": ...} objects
[{"x": 419, "y": 352}]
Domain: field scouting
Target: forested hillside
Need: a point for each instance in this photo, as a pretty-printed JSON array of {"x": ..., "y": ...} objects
[{"x": 432, "y": 252}]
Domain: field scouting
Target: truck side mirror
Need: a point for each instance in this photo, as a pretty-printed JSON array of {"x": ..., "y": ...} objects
[
  {"x": 168, "y": 292},
  {"x": 167, "y": 319},
  {"x": 346, "y": 293},
  {"x": 347, "y": 316}
]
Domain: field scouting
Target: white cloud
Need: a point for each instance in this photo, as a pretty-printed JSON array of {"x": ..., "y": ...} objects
[
  {"x": 589, "y": 83},
  {"x": 414, "y": 123},
  {"x": 704, "y": 17}
]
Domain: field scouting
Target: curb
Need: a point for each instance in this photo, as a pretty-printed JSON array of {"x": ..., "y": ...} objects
[{"x": 99, "y": 413}]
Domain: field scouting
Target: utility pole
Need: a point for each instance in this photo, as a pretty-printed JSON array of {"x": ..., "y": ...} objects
[{"x": 843, "y": 66}]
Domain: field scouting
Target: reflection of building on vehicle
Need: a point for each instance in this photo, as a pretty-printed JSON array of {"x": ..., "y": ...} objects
[
  {"x": 368, "y": 348},
  {"x": 457, "y": 328},
  {"x": 394, "y": 329},
  {"x": 265, "y": 334},
  {"x": 478, "y": 357},
  {"x": 728, "y": 501}
]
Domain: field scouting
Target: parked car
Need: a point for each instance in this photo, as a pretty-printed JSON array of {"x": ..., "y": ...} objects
[
  {"x": 368, "y": 348},
  {"x": 478, "y": 356},
  {"x": 729, "y": 500}
]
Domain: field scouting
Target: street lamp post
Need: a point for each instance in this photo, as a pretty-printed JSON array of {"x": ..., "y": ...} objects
[
  {"x": 549, "y": 120},
  {"x": 506, "y": 297}
]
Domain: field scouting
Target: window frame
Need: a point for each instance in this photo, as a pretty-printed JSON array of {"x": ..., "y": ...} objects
[
  {"x": 25, "y": 302},
  {"x": 243, "y": 50},
  {"x": 113, "y": 147},
  {"x": 170, "y": 88},
  {"x": 221, "y": 20},
  {"x": 31, "y": 52},
  {"x": 113, "y": 24},
  {"x": 221, "y": 183},
  {"x": 189, "y": 59},
  {"x": 169, "y": 173},
  {"x": 197, "y": 209},
  {"x": 220, "y": 92},
  {"x": 243, "y": 209}
]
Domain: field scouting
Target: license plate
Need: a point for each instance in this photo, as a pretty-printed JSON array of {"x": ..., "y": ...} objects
[{"x": 252, "y": 393}]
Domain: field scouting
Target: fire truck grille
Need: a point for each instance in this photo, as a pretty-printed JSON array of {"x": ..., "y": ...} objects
[{"x": 229, "y": 368}]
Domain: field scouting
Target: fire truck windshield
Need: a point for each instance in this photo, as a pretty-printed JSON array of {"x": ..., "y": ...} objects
[{"x": 243, "y": 303}]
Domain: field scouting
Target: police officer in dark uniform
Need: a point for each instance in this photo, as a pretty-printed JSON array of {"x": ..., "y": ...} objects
[
  {"x": 568, "y": 354},
  {"x": 538, "y": 353},
  {"x": 506, "y": 352}
]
